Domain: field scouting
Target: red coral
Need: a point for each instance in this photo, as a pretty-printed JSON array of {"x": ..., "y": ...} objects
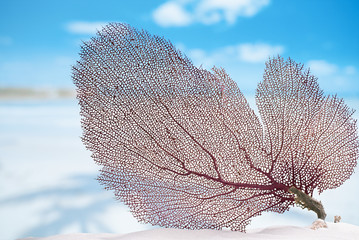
[{"x": 181, "y": 146}]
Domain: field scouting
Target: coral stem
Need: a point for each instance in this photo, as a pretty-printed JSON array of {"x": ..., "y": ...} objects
[{"x": 306, "y": 201}]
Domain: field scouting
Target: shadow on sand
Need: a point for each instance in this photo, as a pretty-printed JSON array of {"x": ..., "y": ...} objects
[{"x": 58, "y": 212}]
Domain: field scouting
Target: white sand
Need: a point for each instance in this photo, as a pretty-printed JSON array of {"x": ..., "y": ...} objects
[
  {"x": 335, "y": 231},
  {"x": 48, "y": 182}
]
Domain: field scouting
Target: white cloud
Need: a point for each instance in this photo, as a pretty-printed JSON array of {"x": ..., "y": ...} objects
[
  {"x": 246, "y": 73},
  {"x": 85, "y": 27},
  {"x": 229, "y": 10},
  {"x": 322, "y": 67},
  {"x": 350, "y": 70},
  {"x": 183, "y": 13},
  {"x": 259, "y": 52},
  {"x": 252, "y": 53},
  {"x": 200, "y": 56},
  {"x": 172, "y": 14},
  {"x": 334, "y": 78},
  {"x": 244, "y": 63}
]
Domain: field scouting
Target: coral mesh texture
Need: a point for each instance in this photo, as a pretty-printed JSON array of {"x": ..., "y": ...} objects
[{"x": 181, "y": 146}]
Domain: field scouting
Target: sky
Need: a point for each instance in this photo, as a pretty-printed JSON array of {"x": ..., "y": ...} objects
[{"x": 40, "y": 39}]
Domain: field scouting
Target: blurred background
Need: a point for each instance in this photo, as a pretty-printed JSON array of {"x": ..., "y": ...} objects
[{"x": 48, "y": 180}]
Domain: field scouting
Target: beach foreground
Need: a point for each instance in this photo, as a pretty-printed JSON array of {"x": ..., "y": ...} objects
[
  {"x": 341, "y": 231},
  {"x": 48, "y": 183}
]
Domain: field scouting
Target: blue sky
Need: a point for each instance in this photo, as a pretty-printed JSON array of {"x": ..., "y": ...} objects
[{"x": 40, "y": 39}]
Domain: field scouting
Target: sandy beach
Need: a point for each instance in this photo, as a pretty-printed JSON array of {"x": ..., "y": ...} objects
[{"x": 48, "y": 180}]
